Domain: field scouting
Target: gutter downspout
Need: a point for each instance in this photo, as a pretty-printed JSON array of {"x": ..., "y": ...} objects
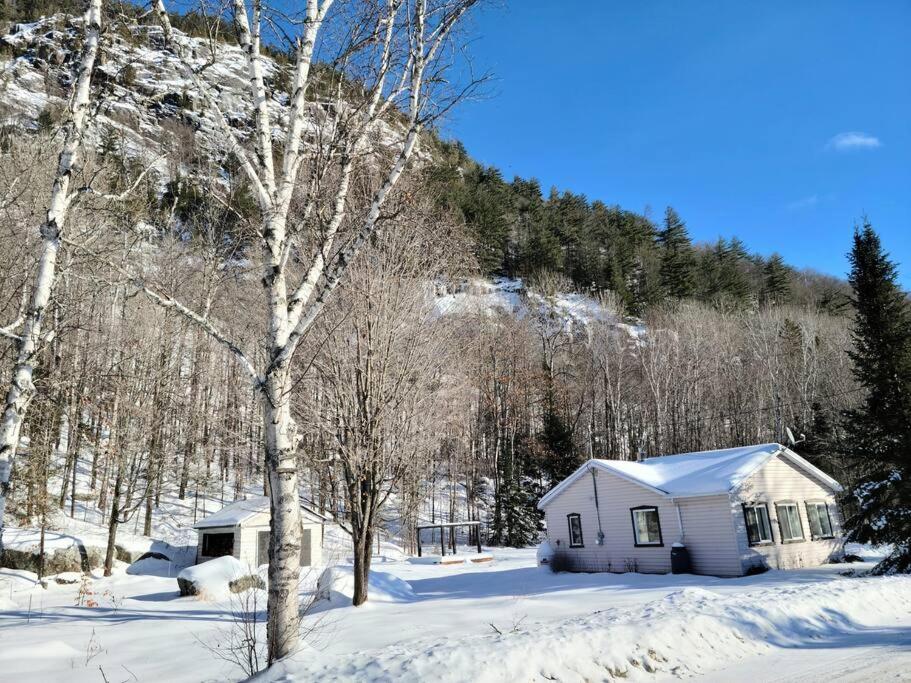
[
  {"x": 597, "y": 507},
  {"x": 679, "y": 523}
]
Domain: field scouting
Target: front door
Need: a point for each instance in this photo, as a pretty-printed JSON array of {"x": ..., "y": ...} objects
[{"x": 262, "y": 548}]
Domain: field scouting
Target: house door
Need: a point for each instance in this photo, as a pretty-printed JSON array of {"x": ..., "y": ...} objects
[
  {"x": 262, "y": 547},
  {"x": 306, "y": 539}
]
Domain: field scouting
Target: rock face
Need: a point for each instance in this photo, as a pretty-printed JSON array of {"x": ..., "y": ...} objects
[
  {"x": 77, "y": 557},
  {"x": 149, "y": 101}
]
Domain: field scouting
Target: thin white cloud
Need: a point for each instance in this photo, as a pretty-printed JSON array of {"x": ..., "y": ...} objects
[
  {"x": 844, "y": 142},
  {"x": 804, "y": 202}
]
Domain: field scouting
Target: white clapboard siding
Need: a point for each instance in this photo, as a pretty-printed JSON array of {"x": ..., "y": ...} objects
[
  {"x": 710, "y": 536},
  {"x": 777, "y": 481},
  {"x": 616, "y": 497}
]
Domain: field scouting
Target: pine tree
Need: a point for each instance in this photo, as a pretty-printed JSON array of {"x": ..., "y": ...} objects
[
  {"x": 878, "y": 443},
  {"x": 678, "y": 262},
  {"x": 776, "y": 281},
  {"x": 559, "y": 458}
]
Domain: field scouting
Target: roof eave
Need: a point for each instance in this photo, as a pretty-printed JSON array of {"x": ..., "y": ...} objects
[{"x": 559, "y": 488}]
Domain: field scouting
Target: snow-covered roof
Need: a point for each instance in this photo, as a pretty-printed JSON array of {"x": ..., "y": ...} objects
[
  {"x": 695, "y": 474},
  {"x": 238, "y": 512}
]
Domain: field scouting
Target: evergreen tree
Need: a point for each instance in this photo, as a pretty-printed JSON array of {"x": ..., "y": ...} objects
[
  {"x": 878, "y": 443},
  {"x": 677, "y": 259},
  {"x": 776, "y": 281},
  {"x": 517, "y": 522},
  {"x": 559, "y": 457}
]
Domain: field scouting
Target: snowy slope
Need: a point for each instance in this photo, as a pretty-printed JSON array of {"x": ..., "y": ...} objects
[
  {"x": 570, "y": 311},
  {"x": 150, "y": 101}
]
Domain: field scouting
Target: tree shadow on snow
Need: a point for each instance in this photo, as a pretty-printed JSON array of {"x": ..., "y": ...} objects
[{"x": 100, "y": 615}]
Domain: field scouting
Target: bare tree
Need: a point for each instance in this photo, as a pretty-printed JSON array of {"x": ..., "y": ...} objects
[
  {"x": 388, "y": 82},
  {"x": 28, "y": 332},
  {"x": 385, "y": 369}
]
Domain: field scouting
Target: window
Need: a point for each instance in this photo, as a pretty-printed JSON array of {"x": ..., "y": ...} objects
[
  {"x": 646, "y": 525},
  {"x": 759, "y": 530},
  {"x": 216, "y": 545},
  {"x": 575, "y": 530},
  {"x": 820, "y": 520},
  {"x": 789, "y": 522}
]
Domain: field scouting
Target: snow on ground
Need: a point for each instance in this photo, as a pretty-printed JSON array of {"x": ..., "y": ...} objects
[{"x": 501, "y": 621}]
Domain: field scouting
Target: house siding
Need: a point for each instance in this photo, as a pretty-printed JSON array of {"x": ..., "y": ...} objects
[
  {"x": 709, "y": 535},
  {"x": 619, "y": 552},
  {"x": 777, "y": 481}
]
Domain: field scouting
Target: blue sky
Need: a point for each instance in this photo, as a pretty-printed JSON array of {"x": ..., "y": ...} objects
[{"x": 779, "y": 122}]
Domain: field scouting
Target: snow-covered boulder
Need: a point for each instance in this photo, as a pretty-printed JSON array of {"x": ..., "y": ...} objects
[
  {"x": 335, "y": 588},
  {"x": 218, "y": 578},
  {"x": 545, "y": 554}
]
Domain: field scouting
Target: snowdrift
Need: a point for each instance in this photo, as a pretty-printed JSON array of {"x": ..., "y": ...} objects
[
  {"x": 690, "y": 631},
  {"x": 335, "y": 588},
  {"x": 218, "y": 578}
]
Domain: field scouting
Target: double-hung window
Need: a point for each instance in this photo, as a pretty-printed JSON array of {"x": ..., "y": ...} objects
[
  {"x": 759, "y": 530},
  {"x": 789, "y": 522},
  {"x": 646, "y": 525},
  {"x": 820, "y": 520},
  {"x": 575, "y": 530}
]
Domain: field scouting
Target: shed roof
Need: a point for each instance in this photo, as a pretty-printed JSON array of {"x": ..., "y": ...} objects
[
  {"x": 239, "y": 511},
  {"x": 695, "y": 474}
]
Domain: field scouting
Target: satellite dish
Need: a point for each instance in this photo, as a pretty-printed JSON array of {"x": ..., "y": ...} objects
[{"x": 791, "y": 440}]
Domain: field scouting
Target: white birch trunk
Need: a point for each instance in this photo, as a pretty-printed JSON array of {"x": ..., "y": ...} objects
[{"x": 21, "y": 389}]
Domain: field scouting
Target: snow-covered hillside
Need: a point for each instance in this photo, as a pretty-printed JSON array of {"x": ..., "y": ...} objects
[
  {"x": 151, "y": 102},
  {"x": 571, "y": 311}
]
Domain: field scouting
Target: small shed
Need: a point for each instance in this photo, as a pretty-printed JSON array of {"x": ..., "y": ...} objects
[{"x": 241, "y": 530}]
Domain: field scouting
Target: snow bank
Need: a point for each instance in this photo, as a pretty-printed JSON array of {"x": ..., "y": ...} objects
[
  {"x": 688, "y": 632},
  {"x": 212, "y": 580},
  {"x": 335, "y": 588}
]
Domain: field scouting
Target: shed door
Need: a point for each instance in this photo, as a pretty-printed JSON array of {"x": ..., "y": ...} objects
[
  {"x": 306, "y": 556},
  {"x": 262, "y": 547}
]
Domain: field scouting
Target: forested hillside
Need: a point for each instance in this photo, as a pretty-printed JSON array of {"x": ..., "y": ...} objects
[
  {"x": 462, "y": 415},
  {"x": 518, "y": 229}
]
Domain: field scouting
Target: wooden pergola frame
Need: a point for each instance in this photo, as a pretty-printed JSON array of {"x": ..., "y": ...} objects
[{"x": 447, "y": 525}]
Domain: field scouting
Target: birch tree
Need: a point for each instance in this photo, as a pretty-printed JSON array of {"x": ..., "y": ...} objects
[
  {"x": 28, "y": 331},
  {"x": 391, "y": 59}
]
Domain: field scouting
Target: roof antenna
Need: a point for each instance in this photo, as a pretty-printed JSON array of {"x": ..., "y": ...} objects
[{"x": 791, "y": 440}]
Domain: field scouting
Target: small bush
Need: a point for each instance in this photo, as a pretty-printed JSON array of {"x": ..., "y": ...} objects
[
  {"x": 48, "y": 119},
  {"x": 756, "y": 569},
  {"x": 128, "y": 75},
  {"x": 560, "y": 562}
]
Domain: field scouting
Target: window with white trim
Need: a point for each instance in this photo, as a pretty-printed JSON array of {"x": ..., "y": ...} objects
[
  {"x": 789, "y": 522},
  {"x": 759, "y": 529},
  {"x": 646, "y": 525},
  {"x": 820, "y": 520},
  {"x": 575, "y": 530}
]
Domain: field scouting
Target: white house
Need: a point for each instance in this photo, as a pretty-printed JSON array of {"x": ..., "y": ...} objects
[
  {"x": 734, "y": 510},
  {"x": 241, "y": 529}
]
